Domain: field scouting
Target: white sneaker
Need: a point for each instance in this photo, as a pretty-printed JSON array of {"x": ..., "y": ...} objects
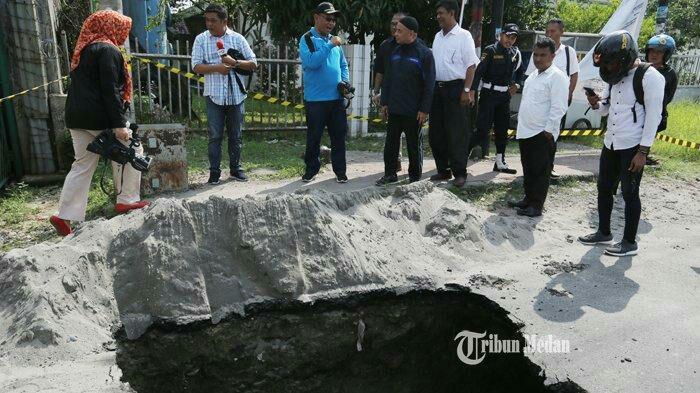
[{"x": 501, "y": 166}]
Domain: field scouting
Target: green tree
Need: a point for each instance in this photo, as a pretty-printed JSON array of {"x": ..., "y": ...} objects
[
  {"x": 591, "y": 17},
  {"x": 289, "y": 19},
  {"x": 683, "y": 21}
]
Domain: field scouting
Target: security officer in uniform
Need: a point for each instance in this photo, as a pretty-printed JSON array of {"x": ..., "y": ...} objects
[{"x": 500, "y": 64}]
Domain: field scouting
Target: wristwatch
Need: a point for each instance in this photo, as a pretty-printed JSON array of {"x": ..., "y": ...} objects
[{"x": 467, "y": 90}]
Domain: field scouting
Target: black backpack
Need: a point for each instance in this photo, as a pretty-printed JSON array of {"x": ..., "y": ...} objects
[{"x": 639, "y": 90}]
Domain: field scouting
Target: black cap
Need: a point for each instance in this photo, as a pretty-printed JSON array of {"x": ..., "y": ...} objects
[
  {"x": 410, "y": 22},
  {"x": 326, "y": 8},
  {"x": 510, "y": 28}
]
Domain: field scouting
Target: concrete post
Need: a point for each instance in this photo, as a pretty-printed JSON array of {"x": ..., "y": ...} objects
[{"x": 359, "y": 57}]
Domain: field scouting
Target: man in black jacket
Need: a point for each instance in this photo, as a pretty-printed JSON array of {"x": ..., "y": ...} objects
[
  {"x": 381, "y": 61},
  {"x": 407, "y": 94}
]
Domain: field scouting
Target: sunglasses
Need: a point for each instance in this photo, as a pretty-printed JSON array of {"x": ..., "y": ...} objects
[{"x": 331, "y": 19}]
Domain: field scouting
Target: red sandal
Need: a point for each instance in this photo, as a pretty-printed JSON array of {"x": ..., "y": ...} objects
[
  {"x": 62, "y": 226},
  {"x": 126, "y": 207}
]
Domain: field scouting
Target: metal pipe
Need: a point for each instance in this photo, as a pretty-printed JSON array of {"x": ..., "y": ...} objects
[
  {"x": 189, "y": 88},
  {"x": 160, "y": 89},
  {"x": 179, "y": 80},
  {"x": 163, "y": 56},
  {"x": 170, "y": 90},
  {"x": 279, "y": 81},
  {"x": 148, "y": 81},
  {"x": 64, "y": 42}
]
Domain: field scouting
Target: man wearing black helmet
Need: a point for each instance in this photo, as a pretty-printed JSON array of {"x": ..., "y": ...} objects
[{"x": 631, "y": 130}]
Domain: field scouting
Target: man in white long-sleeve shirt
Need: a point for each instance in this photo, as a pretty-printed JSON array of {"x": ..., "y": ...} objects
[
  {"x": 632, "y": 125},
  {"x": 543, "y": 104}
]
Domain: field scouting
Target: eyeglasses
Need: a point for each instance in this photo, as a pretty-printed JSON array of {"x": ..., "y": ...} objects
[{"x": 331, "y": 19}]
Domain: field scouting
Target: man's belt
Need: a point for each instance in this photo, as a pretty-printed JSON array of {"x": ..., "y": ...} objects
[
  {"x": 491, "y": 86},
  {"x": 441, "y": 84}
]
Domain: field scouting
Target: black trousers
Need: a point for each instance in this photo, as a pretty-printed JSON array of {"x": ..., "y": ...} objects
[
  {"x": 536, "y": 155},
  {"x": 414, "y": 144},
  {"x": 494, "y": 109},
  {"x": 319, "y": 115},
  {"x": 449, "y": 128},
  {"x": 614, "y": 165}
]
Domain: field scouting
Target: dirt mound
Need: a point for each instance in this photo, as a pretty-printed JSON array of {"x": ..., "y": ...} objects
[{"x": 186, "y": 261}]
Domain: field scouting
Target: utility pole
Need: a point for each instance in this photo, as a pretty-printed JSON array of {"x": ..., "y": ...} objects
[
  {"x": 497, "y": 20},
  {"x": 114, "y": 5},
  {"x": 661, "y": 16},
  {"x": 476, "y": 25}
]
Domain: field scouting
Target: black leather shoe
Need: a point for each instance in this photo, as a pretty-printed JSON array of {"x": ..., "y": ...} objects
[
  {"x": 521, "y": 204},
  {"x": 459, "y": 181},
  {"x": 441, "y": 176},
  {"x": 529, "y": 211}
]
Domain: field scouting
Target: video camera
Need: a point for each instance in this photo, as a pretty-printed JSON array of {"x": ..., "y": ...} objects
[
  {"x": 347, "y": 92},
  {"x": 108, "y": 146}
]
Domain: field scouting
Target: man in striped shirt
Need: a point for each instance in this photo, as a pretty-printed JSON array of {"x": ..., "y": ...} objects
[{"x": 223, "y": 91}]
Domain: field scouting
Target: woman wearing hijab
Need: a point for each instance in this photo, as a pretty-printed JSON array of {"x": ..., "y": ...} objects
[{"x": 98, "y": 99}]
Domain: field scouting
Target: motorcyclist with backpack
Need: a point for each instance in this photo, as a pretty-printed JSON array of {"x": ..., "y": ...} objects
[
  {"x": 658, "y": 51},
  {"x": 634, "y": 105}
]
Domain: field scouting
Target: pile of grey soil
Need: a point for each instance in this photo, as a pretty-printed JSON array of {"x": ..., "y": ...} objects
[{"x": 309, "y": 291}]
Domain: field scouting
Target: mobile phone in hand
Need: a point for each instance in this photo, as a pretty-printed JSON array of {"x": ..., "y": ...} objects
[{"x": 589, "y": 91}]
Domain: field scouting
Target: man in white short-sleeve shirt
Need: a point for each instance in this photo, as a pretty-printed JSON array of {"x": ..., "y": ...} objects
[
  {"x": 455, "y": 63},
  {"x": 541, "y": 110},
  {"x": 565, "y": 59}
]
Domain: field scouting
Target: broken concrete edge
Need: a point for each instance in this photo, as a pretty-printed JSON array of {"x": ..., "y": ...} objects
[{"x": 346, "y": 297}]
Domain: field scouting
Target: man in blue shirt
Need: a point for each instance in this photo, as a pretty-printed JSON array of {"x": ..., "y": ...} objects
[
  {"x": 223, "y": 94},
  {"x": 324, "y": 67}
]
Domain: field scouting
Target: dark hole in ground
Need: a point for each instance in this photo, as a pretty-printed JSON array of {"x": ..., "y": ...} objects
[{"x": 409, "y": 346}]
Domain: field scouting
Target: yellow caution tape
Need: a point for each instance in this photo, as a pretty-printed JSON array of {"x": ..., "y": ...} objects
[
  {"x": 23, "y": 92},
  {"x": 275, "y": 100}
]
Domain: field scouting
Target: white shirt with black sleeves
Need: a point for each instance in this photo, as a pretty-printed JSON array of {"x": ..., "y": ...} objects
[{"x": 623, "y": 131}]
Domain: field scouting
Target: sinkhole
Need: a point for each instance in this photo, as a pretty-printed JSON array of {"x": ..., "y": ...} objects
[{"x": 377, "y": 341}]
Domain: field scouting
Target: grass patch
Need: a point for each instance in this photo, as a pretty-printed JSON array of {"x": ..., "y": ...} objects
[
  {"x": 257, "y": 113},
  {"x": 496, "y": 195},
  {"x": 278, "y": 151},
  {"x": 24, "y": 211},
  {"x": 676, "y": 161},
  {"x": 16, "y": 205},
  {"x": 19, "y": 210}
]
